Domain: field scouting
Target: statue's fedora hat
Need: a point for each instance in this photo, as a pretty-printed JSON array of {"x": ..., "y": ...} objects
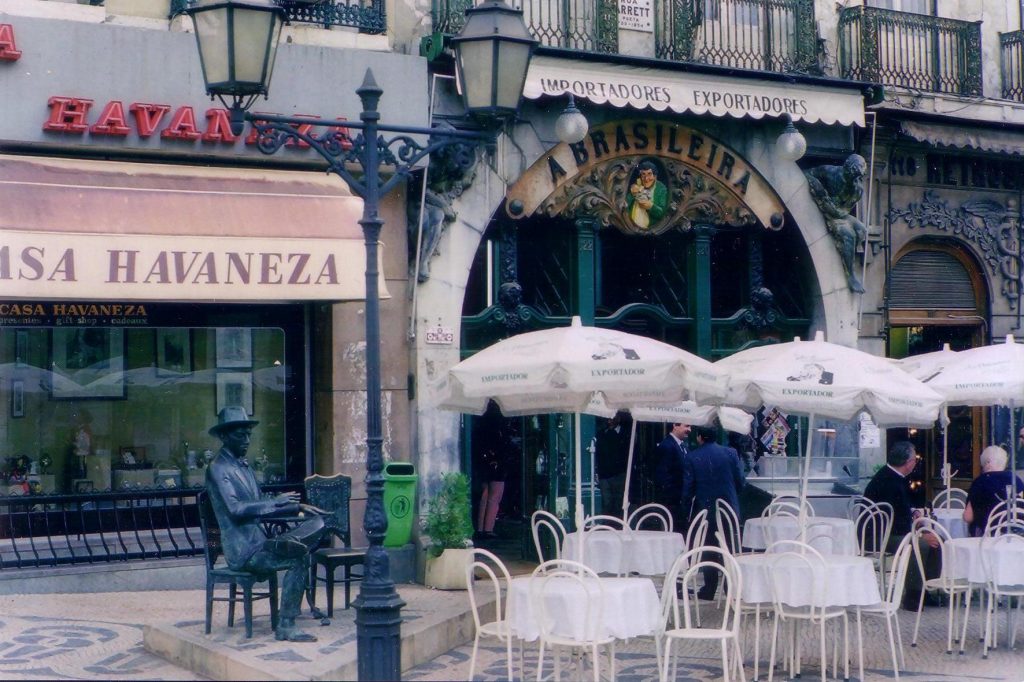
[{"x": 229, "y": 418}]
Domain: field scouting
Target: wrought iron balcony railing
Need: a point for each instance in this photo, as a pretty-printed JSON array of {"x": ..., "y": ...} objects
[
  {"x": 913, "y": 51},
  {"x": 590, "y": 25},
  {"x": 768, "y": 35},
  {"x": 760, "y": 35},
  {"x": 366, "y": 15},
  {"x": 1012, "y": 60}
]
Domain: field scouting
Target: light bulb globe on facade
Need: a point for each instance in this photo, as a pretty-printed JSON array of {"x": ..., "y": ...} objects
[
  {"x": 790, "y": 144},
  {"x": 571, "y": 126}
]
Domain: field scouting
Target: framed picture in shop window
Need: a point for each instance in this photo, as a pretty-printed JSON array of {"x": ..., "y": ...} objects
[
  {"x": 234, "y": 389},
  {"x": 21, "y": 348},
  {"x": 87, "y": 363},
  {"x": 173, "y": 352},
  {"x": 17, "y": 399},
  {"x": 234, "y": 348}
]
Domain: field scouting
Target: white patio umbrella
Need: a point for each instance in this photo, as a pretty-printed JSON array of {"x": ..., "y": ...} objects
[
  {"x": 821, "y": 379},
  {"x": 986, "y": 376},
  {"x": 923, "y": 367},
  {"x": 684, "y": 412},
  {"x": 562, "y": 369}
]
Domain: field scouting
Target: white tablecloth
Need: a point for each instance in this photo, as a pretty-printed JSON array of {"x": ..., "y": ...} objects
[
  {"x": 850, "y": 580},
  {"x": 952, "y": 520},
  {"x": 630, "y": 608},
  {"x": 1006, "y": 561},
  {"x": 844, "y": 533},
  {"x": 647, "y": 552}
]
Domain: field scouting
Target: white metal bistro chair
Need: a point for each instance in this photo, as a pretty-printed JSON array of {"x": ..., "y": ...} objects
[
  {"x": 543, "y": 524},
  {"x": 615, "y": 535},
  {"x": 678, "y": 619},
  {"x": 874, "y": 527},
  {"x": 603, "y": 521},
  {"x": 696, "y": 536},
  {"x": 889, "y": 608},
  {"x": 485, "y": 575},
  {"x": 1006, "y": 536},
  {"x": 729, "y": 528},
  {"x": 855, "y": 505},
  {"x": 565, "y": 575},
  {"x": 651, "y": 512},
  {"x": 954, "y": 498},
  {"x": 815, "y": 613},
  {"x": 954, "y": 588},
  {"x": 789, "y": 505}
]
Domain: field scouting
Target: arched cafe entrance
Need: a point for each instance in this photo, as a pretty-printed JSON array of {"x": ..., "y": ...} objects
[{"x": 646, "y": 226}]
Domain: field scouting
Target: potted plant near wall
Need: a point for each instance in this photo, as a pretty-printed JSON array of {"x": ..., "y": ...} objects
[{"x": 449, "y": 530}]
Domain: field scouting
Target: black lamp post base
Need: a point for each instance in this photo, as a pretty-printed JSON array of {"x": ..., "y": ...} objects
[{"x": 379, "y": 633}]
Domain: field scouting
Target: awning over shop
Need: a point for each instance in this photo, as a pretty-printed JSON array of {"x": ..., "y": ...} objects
[
  {"x": 104, "y": 230},
  {"x": 699, "y": 93},
  {"x": 965, "y": 137}
]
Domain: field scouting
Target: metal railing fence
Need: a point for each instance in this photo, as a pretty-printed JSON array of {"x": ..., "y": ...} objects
[
  {"x": 763, "y": 35},
  {"x": 914, "y": 51},
  {"x": 366, "y": 15},
  {"x": 1012, "y": 62},
  {"x": 53, "y": 530}
]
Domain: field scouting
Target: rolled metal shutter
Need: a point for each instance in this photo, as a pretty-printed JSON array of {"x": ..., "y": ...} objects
[{"x": 926, "y": 279}]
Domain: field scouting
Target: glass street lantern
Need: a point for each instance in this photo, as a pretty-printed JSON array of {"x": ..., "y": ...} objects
[
  {"x": 492, "y": 56},
  {"x": 237, "y": 42}
]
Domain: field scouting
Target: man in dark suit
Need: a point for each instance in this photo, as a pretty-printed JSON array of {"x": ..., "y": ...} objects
[
  {"x": 711, "y": 472},
  {"x": 890, "y": 485},
  {"x": 668, "y": 473},
  {"x": 239, "y": 505}
]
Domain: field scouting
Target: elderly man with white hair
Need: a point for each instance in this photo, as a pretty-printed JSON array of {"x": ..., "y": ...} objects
[{"x": 989, "y": 488}]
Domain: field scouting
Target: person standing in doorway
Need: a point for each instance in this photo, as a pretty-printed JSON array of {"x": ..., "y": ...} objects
[
  {"x": 668, "y": 473},
  {"x": 711, "y": 472},
  {"x": 612, "y": 454},
  {"x": 492, "y": 449}
]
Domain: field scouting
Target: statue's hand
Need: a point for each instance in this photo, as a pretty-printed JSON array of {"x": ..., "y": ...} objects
[
  {"x": 313, "y": 511},
  {"x": 285, "y": 499}
]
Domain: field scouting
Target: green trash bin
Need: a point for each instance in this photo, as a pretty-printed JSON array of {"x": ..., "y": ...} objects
[{"x": 399, "y": 494}]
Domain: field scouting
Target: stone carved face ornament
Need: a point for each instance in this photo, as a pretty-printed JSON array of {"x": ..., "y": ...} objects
[{"x": 645, "y": 196}]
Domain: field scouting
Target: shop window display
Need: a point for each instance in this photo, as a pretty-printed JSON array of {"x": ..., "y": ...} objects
[{"x": 94, "y": 408}]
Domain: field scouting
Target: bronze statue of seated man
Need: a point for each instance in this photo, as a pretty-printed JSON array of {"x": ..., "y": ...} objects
[{"x": 239, "y": 506}]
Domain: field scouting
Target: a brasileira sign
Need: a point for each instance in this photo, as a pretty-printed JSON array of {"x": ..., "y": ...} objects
[{"x": 646, "y": 177}]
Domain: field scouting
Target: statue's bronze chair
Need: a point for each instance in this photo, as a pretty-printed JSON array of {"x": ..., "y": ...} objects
[
  {"x": 222, "y": 575},
  {"x": 332, "y": 493}
]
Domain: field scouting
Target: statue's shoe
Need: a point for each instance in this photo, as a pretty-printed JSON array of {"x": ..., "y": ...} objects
[{"x": 293, "y": 634}]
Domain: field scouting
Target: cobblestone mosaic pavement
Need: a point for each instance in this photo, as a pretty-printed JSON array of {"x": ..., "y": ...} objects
[{"x": 50, "y": 637}]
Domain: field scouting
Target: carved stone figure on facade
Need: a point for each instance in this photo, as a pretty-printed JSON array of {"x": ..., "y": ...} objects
[
  {"x": 836, "y": 190},
  {"x": 451, "y": 172}
]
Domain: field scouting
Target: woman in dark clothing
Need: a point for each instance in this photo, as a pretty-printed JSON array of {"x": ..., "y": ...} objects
[
  {"x": 492, "y": 447},
  {"x": 988, "y": 489}
]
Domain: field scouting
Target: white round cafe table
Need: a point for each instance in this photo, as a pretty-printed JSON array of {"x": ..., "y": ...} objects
[
  {"x": 970, "y": 558},
  {"x": 646, "y": 552},
  {"x": 952, "y": 520},
  {"x": 844, "y": 533},
  {"x": 630, "y": 608},
  {"x": 850, "y": 580}
]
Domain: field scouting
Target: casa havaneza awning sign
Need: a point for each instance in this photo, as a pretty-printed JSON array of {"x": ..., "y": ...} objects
[{"x": 159, "y": 267}]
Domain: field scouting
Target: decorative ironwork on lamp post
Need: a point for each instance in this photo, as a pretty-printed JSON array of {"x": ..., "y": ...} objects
[{"x": 237, "y": 42}]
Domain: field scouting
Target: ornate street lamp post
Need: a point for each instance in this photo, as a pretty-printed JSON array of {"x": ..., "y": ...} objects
[{"x": 237, "y": 42}]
